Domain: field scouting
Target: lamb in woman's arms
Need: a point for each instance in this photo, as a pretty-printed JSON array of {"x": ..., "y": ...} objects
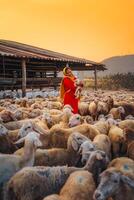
[{"x": 78, "y": 83}]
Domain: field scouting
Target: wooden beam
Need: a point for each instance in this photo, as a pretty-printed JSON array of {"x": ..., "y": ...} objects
[
  {"x": 95, "y": 76},
  {"x": 23, "y": 63}
]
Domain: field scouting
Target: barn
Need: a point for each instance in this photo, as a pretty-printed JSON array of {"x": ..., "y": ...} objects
[{"x": 24, "y": 66}]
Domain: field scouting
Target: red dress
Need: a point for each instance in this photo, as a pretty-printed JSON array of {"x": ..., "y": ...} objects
[{"x": 69, "y": 96}]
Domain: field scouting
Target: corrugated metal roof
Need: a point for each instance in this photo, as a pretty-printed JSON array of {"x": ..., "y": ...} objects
[{"x": 15, "y": 49}]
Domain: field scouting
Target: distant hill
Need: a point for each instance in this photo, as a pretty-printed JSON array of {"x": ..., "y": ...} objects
[{"x": 118, "y": 64}]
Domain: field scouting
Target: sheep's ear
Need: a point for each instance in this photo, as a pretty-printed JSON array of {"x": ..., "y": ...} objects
[
  {"x": 99, "y": 156},
  {"x": 127, "y": 180},
  {"x": 75, "y": 145},
  {"x": 21, "y": 140},
  {"x": 80, "y": 150}
]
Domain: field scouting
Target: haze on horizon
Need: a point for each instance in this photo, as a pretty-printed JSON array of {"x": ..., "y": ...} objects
[{"x": 92, "y": 29}]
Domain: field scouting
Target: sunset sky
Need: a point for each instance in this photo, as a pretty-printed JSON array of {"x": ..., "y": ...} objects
[{"x": 92, "y": 29}]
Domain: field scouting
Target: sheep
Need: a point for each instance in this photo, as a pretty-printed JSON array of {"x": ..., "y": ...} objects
[
  {"x": 52, "y": 197},
  {"x": 93, "y": 109},
  {"x": 83, "y": 108},
  {"x": 17, "y": 124},
  {"x": 54, "y": 105},
  {"x": 102, "y": 108},
  {"x": 88, "y": 119},
  {"x": 102, "y": 127},
  {"x": 75, "y": 120},
  {"x": 85, "y": 150},
  {"x": 103, "y": 143},
  {"x": 44, "y": 181},
  {"x": 7, "y": 116},
  {"x": 118, "y": 113},
  {"x": 117, "y": 139},
  {"x": 80, "y": 185},
  {"x": 57, "y": 137},
  {"x": 13, "y": 135},
  {"x": 10, "y": 164},
  {"x": 38, "y": 126},
  {"x": 114, "y": 184},
  {"x": 6, "y": 145},
  {"x": 124, "y": 164},
  {"x": 128, "y": 123},
  {"x": 59, "y": 156},
  {"x": 129, "y": 137},
  {"x": 128, "y": 107}
]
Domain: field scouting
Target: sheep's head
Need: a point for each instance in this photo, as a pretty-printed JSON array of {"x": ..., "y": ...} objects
[
  {"x": 97, "y": 162},
  {"x": 47, "y": 117},
  {"x": 121, "y": 110},
  {"x": 32, "y": 137},
  {"x": 101, "y": 117},
  {"x": 85, "y": 150},
  {"x": 75, "y": 120},
  {"x": 67, "y": 109},
  {"x": 3, "y": 130},
  {"x": 75, "y": 140},
  {"x": 109, "y": 184},
  {"x": 25, "y": 129}
]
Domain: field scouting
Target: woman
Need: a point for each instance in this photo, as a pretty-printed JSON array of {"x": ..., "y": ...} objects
[{"x": 68, "y": 89}]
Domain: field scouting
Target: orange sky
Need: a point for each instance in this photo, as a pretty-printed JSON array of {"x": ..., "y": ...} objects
[{"x": 93, "y": 29}]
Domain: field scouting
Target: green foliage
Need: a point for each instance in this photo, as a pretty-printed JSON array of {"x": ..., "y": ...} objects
[
  {"x": 118, "y": 81},
  {"x": 115, "y": 82}
]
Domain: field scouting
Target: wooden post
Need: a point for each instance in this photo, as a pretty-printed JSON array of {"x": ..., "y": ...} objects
[
  {"x": 95, "y": 76},
  {"x": 23, "y": 63}
]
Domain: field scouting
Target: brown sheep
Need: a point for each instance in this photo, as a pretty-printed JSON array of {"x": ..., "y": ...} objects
[
  {"x": 103, "y": 143},
  {"x": 83, "y": 108},
  {"x": 48, "y": 180},
  {"x": 93, "y": 109},
  {"x": 117, "y": 139},
  {"x": 114, "y": 184},
  {"x": 59, "y": 156},
  {"x": 118, "y": 113},
  {"x": 6, "y": 144},
  {"x": 129, "y": 136},
  {"x": 79, "y": 185},
  {"x": 102, "y": 126},
  {"x": 128, "y": 123},
  {"x": 57, "y": 137}
]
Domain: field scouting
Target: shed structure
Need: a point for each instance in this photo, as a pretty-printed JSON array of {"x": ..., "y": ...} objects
[{"x": 24, "y": 66}]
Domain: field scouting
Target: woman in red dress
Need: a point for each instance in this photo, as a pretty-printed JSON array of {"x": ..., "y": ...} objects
[{"x": 68, "y": 88}]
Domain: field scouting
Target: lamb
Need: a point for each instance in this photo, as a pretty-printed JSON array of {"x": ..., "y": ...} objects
[
  {"x": 10, "y": 164},
  {"x": 59, "y": 156},
  {"x": 114, "y": 184},
  {"x": 79, "y": 86},
  {"x": 44, "y": 181},
  {"x": 80, "y": 185}
]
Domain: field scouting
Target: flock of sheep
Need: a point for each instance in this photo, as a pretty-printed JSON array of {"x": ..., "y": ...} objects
[{"x": 49, "y": 153}]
